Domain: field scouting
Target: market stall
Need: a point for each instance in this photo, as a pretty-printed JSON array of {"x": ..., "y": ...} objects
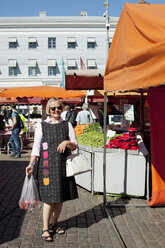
[
  {"x": 38, "y": 94},
  {"x": 123, "y": 181},
  {"x": 136, "y": 63}
]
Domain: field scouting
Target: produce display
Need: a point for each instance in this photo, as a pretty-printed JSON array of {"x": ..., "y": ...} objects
[
  {"x": 91, "y": 135},
  {"x": 91, "y": 138},
  {"x": 80, "y": 128},
  {"x": 124, "y": 141}
]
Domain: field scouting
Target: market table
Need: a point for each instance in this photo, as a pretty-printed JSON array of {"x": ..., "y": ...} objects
[
  {"x": 6, "y": 135},
  {"x": 127, "y": 170}
]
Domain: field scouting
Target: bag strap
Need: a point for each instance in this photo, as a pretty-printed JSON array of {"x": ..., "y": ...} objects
[
  {"x": 68, "y": 116},
  {"x": 101, "y": 112},
  {"x": 77, "y": 151},
  {"x": 90, "y": 114},
  {"x": 18, "y": 116}
]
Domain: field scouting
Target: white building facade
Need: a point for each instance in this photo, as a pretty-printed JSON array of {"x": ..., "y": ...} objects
[{"x": 35, "y": 51}]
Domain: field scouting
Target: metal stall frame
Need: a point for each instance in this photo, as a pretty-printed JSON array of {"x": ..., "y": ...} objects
[{"x": 105, "y": 205}]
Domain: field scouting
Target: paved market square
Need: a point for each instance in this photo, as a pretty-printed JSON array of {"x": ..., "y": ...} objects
[{"x": 84, "y": 219}]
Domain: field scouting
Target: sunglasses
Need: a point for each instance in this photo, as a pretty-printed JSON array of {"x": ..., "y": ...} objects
[{"x": 56, "y": 108}]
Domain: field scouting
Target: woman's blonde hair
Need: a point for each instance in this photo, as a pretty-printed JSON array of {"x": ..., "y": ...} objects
[{"x": 53, "y": 99}]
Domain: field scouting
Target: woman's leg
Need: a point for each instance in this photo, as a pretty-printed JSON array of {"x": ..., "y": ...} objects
[
  {"x": 57, "y": 207},
  {"x": 47, "y": 212}
]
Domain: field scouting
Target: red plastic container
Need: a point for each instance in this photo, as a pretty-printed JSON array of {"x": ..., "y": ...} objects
[{"x": 132, "y": 131}]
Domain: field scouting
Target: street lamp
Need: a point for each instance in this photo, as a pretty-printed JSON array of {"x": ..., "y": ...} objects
[{"x": 106, "y": 4}]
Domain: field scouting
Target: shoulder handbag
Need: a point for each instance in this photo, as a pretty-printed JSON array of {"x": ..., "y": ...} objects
[{"x": 77, "y": 164}]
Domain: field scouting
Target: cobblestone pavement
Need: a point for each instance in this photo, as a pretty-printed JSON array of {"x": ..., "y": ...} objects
[{"x": 84, "y": 218}]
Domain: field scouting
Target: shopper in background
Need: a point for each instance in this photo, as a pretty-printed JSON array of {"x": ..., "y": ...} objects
[
  {"x": 137, "y": 111},
  {"x": 5, "y": 114},
  {"x": 84, "y": 116},
  {"x": 136, "y": 123},
  {"x": 14, "y": 138},
  {"x": 53, "y": 137},
  {"x": 2, "y": 128},
  {"x": 71, "y": 115},
  {"x": 101, "y": 113},
  {"x": 2, "y": 123},
  {"x": 63, "y": 114},
  {"x": 111, "y": 110}
]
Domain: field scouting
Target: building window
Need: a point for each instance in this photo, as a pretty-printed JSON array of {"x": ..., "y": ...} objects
[
  {"x": 32, "y": 71},
  {"x": 12, "y": 71},
  {"x": 12, "y": 67},
  {"x": 91, "y": 43},
  {"x": 32, "y": 43},
  {"x": 51, "y": 71},
  {"x": 51, "y": 67},
  {"x": 51, "y": 42},
  {"x": 71, "y": 42},
  {"x": 71, "y": 64},
  {"x": 13, "y": 43},
  {"x": 32, "y": 67},
  {"x": 91, "y": 64}
]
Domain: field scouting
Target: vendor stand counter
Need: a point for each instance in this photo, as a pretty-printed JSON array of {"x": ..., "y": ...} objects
[{"x": 127, "y": 171}]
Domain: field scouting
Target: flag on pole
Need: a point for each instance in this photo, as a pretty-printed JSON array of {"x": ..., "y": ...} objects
[
  {"x": 82, "y": 66},
  {"x": 63, "y": 74}
]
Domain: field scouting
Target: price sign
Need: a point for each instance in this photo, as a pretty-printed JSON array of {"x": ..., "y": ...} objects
[{"x": 129, "y": 112}]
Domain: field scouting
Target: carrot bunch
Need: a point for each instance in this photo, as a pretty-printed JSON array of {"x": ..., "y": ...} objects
[{"x": 80, "y": 128}]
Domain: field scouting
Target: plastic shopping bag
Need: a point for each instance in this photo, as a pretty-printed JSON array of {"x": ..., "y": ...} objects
[{"x": 29, "y": 195}]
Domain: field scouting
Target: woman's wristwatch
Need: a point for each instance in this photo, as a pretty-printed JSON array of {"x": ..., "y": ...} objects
[{"x": 33, "y": 163}]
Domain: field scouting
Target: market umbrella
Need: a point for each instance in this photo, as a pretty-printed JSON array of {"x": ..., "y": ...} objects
[{"x": 41, "y": 91}]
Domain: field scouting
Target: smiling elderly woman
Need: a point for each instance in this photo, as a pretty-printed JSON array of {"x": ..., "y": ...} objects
[{"x": 52, "y": 141}]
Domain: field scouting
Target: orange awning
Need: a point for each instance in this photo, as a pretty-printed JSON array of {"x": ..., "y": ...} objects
[
  {"x": 1, "y": 89},
  {"x": 41, "y": 91},
  {"x": 7, "y": 101},
  {"x": 101, "y": 93},
  {"x": 137, "y": 55}
]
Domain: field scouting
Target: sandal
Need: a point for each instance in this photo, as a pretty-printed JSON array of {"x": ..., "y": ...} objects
[
  {"x": 56, "y": 228},
  {"x": 47, "y": 238}
]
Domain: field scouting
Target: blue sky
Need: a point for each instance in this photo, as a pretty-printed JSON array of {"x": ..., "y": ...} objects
[{"x": 63, "y": 7}]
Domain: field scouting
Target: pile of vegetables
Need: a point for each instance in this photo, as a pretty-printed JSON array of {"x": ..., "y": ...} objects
[
  {"x": 91, "y": 136},
  {"x": 80, "y": 128}
]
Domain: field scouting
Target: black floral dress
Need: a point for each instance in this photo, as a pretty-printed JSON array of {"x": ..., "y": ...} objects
[{"x": 54, "y": 186}]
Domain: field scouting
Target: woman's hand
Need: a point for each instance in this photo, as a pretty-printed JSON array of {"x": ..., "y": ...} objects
[
  {"x": 62, "y": 146},
  {"x": 29, "y": 169}
]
